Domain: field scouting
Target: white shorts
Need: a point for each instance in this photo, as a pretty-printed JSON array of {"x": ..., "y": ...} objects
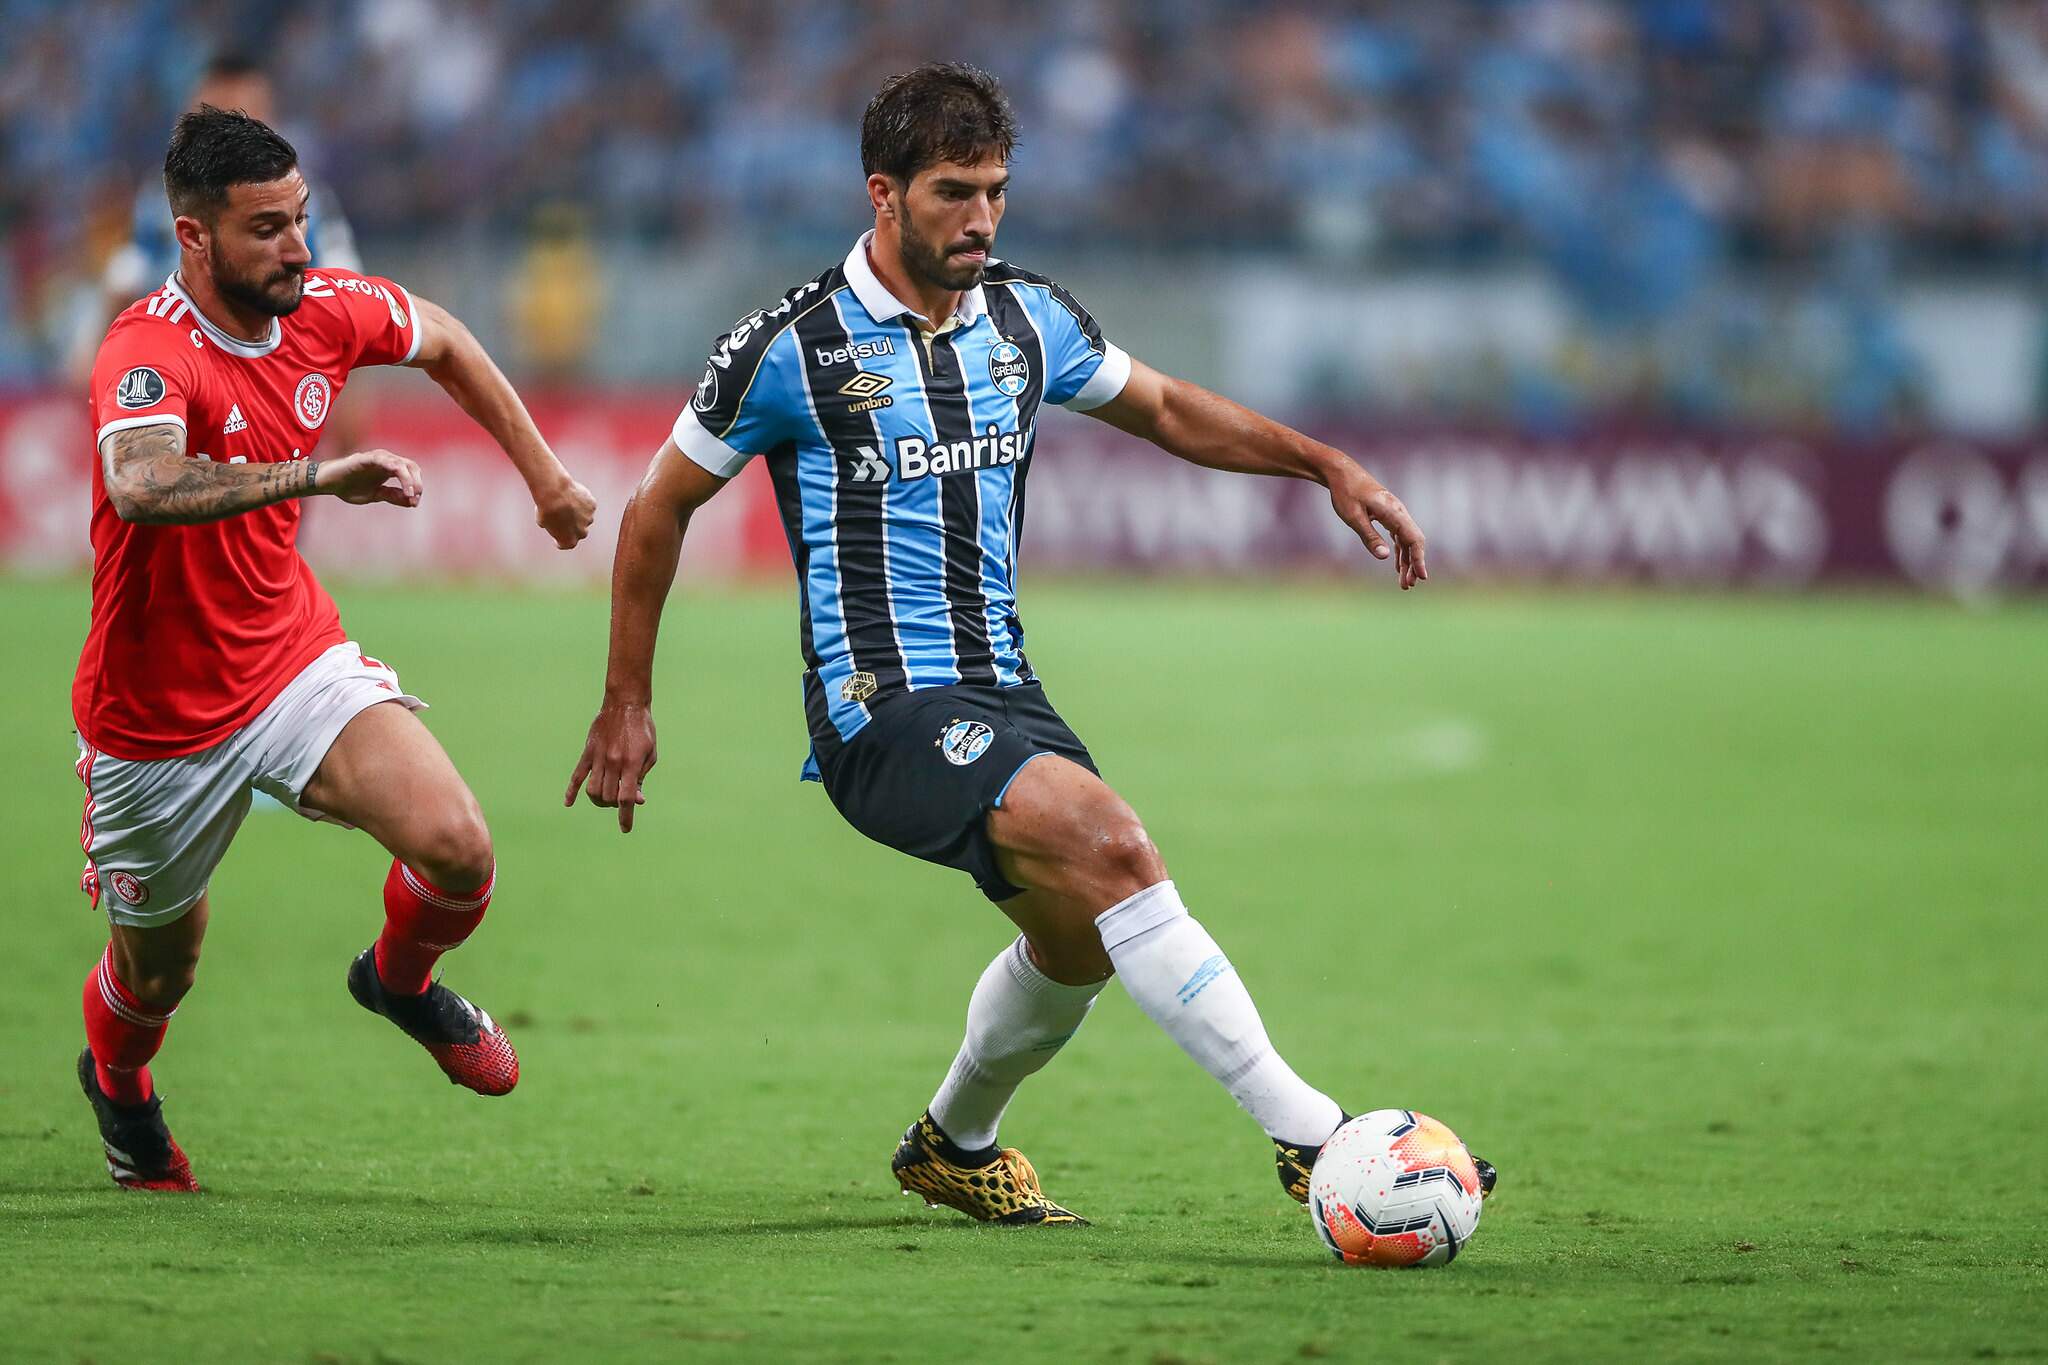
[{"x": 155, "y": 829}]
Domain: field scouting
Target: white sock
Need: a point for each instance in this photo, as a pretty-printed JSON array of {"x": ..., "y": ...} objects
[
  {"x": 1185, "y": 984},
  {"x": 1017, "y": 1019}
]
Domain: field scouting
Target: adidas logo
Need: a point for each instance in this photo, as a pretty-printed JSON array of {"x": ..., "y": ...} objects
[{"x": 236, "y": 422}]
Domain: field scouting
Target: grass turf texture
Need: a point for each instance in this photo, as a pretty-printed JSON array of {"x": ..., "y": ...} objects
[{"x": 1715, "y": 923}]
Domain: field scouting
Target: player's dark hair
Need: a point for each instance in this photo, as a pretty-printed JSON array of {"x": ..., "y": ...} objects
[
  {"x": 232, "y": 64},
  {"x": 212, "y": 149},
  {"x": 941, "y": 111}
]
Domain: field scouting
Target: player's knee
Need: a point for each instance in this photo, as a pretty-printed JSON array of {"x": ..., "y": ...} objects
[
  {"x": 164, "y": 980},
  {"x": 455, "y": 851},
  {"x": 1123, "y": 853}
]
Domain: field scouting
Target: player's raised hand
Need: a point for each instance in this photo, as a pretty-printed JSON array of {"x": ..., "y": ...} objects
[
  {"x": 1367, "y": 507},
  {"x": 564, "y": 511},
  {"x": 617, "y": 756},
  {"x": 370, "y": 476}
]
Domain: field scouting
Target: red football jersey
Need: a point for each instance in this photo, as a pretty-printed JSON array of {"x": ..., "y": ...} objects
[{"x": 197, "y": 628}]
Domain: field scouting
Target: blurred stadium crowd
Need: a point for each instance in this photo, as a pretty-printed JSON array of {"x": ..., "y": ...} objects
[{"x": 1637, "y": 151}]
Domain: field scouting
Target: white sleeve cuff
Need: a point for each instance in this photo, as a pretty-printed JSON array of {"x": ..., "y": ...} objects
[
  {"x": 155, "y": 419},
  {"x": 413, "y": 313},
  {"x": 1106, "y": 383},
  {"x": 695, "y": 440}
]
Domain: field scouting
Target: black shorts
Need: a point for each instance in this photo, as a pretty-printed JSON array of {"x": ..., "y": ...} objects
[{"x": 924, "y": 773}]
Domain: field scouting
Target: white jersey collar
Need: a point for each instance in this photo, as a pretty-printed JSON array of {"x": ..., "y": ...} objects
[
  {"x": 884, "y": 306},
  {"x": 248, "y": 350}
]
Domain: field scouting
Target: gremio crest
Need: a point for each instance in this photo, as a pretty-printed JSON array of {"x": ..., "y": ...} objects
[
  {"x": 963, "y": 741},
  {"x": 1007, "y": 369}
]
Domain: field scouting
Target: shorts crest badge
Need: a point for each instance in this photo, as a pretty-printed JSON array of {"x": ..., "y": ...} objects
[{"x": 963, "y": 741}]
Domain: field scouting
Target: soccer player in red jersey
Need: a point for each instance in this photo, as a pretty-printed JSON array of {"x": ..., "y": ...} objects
[{"x": 216, "y": 665}]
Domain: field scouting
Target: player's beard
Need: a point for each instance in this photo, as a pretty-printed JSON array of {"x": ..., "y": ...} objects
[
  {"x": 277, "y": 294},
  {"x": 937, "y": 266}
]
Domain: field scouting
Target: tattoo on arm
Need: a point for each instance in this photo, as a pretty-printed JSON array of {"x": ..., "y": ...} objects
[{"x": 149, "y": 478}]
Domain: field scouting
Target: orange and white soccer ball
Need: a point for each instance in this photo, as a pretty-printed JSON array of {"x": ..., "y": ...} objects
[{"x": 1394, "y": 1188}]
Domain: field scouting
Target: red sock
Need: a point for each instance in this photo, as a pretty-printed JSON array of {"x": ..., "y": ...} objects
[
  {"x": 421, "y": 922},
  {"x": 123, "y": 1033}
]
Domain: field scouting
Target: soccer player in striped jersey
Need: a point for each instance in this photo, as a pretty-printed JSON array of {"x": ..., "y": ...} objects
[{"x": 894, "y": 398}]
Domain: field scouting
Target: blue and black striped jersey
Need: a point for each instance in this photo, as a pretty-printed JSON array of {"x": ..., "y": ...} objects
[{"x": 898, "y": 454}]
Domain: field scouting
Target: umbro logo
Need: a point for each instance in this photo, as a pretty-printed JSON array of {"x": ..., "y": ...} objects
[
  {"x": 236, "y": 422},
  {"x": 866, "y": 389}
]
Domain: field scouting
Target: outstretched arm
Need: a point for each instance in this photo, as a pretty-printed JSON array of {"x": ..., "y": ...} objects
[
  {"x": 1208, "y": 429},
  {"x": 619, "y": 751},
  {"x": 458, "y": 362},
  {"x": 149, "y": 478}
]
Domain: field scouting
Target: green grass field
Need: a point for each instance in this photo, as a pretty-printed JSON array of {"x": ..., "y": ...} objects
[{"x": 1717, "y": 924}]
